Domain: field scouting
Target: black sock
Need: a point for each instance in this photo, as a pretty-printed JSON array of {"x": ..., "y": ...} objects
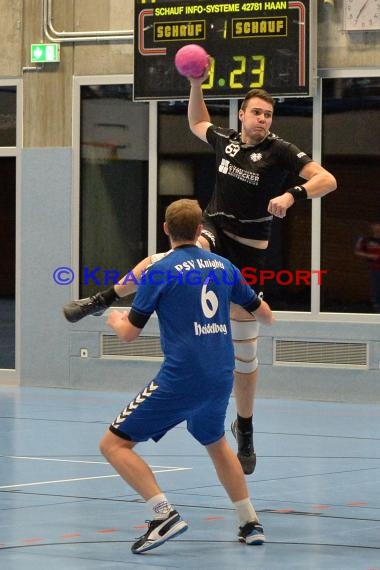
[
  {"x": 245, "y": 424},
  {"x": 110, "y": 296}
]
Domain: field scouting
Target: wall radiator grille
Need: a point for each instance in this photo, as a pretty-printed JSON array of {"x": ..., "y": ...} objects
[
  {"x": 339, "y": 354},
  {"x": 313, "y": 353},
  {"x": 143, "y": 347}
]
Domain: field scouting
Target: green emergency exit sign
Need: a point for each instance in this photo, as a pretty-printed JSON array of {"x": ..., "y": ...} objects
[{"x": 45, "y": 53}]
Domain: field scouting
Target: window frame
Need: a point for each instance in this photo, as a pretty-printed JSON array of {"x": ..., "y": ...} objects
[
  {"x": 78, "y": 83},
  {"x": 316, "y": 214},
  {"x": 12, "y": 376}
]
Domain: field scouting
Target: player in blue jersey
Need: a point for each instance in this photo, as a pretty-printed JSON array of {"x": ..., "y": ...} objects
[{"x": 191, "y": 290}]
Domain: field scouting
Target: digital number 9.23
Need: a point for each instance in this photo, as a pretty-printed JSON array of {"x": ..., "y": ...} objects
[{"x": 245, "y": 68}]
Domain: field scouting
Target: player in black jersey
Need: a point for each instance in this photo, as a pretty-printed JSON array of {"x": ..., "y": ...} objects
[{"x": 252, "y": 166}]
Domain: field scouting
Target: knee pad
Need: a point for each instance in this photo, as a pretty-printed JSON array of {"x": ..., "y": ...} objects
[{"x": 244, "y": 336}]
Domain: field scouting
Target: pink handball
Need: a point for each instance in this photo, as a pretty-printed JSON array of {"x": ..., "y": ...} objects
[{"x": 191, "y": 60}]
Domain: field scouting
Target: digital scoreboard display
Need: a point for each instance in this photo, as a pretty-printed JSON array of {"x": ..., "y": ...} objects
[{"x": 251, "y": 44}]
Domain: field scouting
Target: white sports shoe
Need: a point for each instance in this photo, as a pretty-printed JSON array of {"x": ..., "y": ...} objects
[
  {"x": 159, "y": 531},
  {"x": 251, "y": 533}
]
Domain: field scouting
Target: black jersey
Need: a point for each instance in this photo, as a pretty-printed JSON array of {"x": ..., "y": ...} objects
[{"x": 248, "y": 176}]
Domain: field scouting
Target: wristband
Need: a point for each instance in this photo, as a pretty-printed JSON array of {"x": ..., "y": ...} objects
[{"x": 298, "y": 193}]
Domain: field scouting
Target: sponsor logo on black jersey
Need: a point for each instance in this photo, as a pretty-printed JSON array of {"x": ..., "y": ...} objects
[{"x": 256, "y": 156}]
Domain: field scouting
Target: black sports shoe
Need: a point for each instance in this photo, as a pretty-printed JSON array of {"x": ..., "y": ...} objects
[
  {"x": 159, "y": 531},
  {"x": 246, "y": 451},
  {"x": 251, "y": 533},
  {"x": 76, "y": 310}
]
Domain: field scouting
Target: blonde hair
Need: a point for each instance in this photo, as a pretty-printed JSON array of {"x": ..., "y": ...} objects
[{"x": 183, "y": 218}]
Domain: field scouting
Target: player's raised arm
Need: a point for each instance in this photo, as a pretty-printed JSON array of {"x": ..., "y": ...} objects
[
  {"x": 193, "y": 62},
  {"x": 197, "y": 112}
]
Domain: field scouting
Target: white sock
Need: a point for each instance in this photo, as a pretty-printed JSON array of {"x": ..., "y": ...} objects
[
  {"x": 160, "y": 506},
  {"x": 245, "y": 512}
]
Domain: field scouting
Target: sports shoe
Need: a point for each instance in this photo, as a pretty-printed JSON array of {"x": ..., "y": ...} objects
[
  {"x": 159, "y": 531},
  {"x": 251, "y": 533},
  {"x": 76, "y": 310},
  {"x": 246, "y": 451}
]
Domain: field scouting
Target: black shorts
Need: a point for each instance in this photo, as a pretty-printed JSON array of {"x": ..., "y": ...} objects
[{"x": 239, "y": 254}]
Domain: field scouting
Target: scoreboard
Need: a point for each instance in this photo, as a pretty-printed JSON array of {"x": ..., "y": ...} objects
[{"x": 267, "y": 45}]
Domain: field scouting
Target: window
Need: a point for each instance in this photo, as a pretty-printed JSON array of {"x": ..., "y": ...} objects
[
  {"x": 351, "y": 151},
  {"x": 7, "y": 116},
  {"x": 289, "y": 252},
  {"x": 8, "y": 105},
  {"x": 113, "y": 184},
  {"x": 186, "y": 165}
]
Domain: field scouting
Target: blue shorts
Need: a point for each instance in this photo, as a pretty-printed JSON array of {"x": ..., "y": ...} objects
[{"x": 159, "y": 408}]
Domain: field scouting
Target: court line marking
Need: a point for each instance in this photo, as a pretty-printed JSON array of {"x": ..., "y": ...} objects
[
  {"x": 84, "y": 478},
  {"x": 155, "y": 469},
  {"x": 57, "y": 481},
  {"x": 31, "y": 458}
]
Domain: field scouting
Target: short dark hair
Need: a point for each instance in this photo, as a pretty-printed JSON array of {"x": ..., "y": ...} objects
[
  {"x": 183, "y": 218},
  {"x": 261, "y": 94}
]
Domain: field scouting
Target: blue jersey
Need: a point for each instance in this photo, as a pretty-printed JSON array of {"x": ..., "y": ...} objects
[{"x": 191, "y": 290}]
